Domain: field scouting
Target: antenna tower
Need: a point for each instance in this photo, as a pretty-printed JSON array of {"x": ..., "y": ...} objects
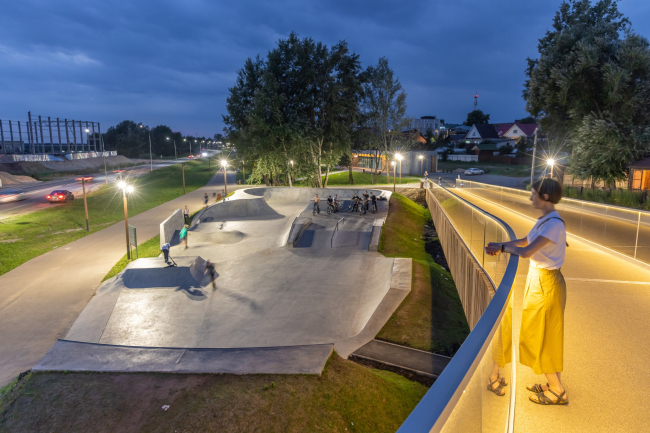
[{"x": 476, "y": 100}]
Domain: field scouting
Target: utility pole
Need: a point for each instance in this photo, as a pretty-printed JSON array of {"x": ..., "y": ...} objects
[
  {"x": 532, "y": 166},
  {"x": 126, "y": 225},
  {"x": 183, "y": 169},
  {"x": 150, "y": 154},
  {"x": 83, "y": 186},
  {"x": 394, "y": 177}
]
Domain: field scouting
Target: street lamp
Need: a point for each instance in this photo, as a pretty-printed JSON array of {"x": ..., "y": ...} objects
[
  {"x": 126, "y": 189},
  {"x": 291, "y": 174},
  {"x": 243, "y": 166},
  {"x": 421, "y": 158},
  {"x": 400, "y": 158},
  {"x": 190, "y": 145},
  {"x": 175, "y": 156},
  {"x": 394, "y": 178},
  {"x": 150, "y": 154},
  {"x": 551, "y": 163},
  {"x": 224, "y": 164}
]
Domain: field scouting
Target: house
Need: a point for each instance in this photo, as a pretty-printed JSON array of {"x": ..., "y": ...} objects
[
  {"x": 488, "y": 149},
  {"x": 502, "y": 128},
  {"x": 524, "y": 130},
  {"x": 458, "y": 129},
  {"x": 481, "y": 132},
  {"x": 413, "y": 162},
  {"x": 639, "y": 175},
  {"x": 425, "y": 123},
  {"x": 456, "y": 139}
]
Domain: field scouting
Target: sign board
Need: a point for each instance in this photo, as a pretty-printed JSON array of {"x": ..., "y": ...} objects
[{"x": 133, "y": 240}]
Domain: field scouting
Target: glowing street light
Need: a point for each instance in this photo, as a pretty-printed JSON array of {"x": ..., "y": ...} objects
[
  {"x": 126, "y": 189},
  {"x": 224, "y": 164},
  {"x": 551, "y": 163},
  {"x": 394, "y": 178},
  {"x": 400, "y": 158},
  {"x": 421, "y": 158},
  {"x": 175, "y": 156}
]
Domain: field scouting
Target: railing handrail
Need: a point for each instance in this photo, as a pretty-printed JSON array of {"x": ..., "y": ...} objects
[
  {"x": 336, "y": 227},
  {"x": 567, "y": 199},
  {"x": 434, "y": 409}
]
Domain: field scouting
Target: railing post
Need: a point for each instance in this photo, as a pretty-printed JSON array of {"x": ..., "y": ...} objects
[{"x": 636, "y": 243}]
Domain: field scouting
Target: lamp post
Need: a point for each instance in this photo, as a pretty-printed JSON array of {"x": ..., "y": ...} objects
[
  {"x": 83, "y": 186},
  {"x": 532, "y": 164},
  {"x": 551, "y": 163},
  {"x": 87, "y": 139},
  {"x": 126, "y": 189},
  {"x": 183, "y": 170},
  {"x": 290, "y": 174},
  {"x": 243, "y": 166},
  {"x": 175, "y": 155},
  {"x": 150, "y": 154},
  {"x": 421, "y": 158},
  {"x": 400, "y": 158},
  {"x": 224, "y": 164},
  {"x": 185, "y": 139},
  {"x": 394, "y": 178}
]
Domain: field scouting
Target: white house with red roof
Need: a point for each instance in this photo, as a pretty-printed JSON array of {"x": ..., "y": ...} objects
[{"x": 516, "y": 130}]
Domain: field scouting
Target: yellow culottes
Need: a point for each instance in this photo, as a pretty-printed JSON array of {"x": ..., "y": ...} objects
[{"x": 541, "y": 341}]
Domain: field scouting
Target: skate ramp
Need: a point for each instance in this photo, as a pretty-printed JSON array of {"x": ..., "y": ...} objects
[
  {"x": 148, "y": 273},
  {"x": 216, "y": 237},
  {"x": 352, "y": 232},
  {"x": 239, "y": 206}
]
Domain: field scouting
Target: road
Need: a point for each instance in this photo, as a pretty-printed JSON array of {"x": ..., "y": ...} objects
[{"x": 36, "y": 192}]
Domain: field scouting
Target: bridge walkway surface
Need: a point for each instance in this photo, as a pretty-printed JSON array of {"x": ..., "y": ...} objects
[{"x": 606, "y": 350}]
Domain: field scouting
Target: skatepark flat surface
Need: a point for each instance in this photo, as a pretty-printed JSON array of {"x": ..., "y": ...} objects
[{"x": 268, "y": 294}]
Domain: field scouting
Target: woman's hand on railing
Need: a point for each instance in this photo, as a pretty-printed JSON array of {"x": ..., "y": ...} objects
[{"x": 493, "y": 248}]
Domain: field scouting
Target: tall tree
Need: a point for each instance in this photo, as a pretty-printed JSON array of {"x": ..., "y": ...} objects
[
  {"x": 591, "y": 85},
  {"x": 385, "y": 108},
  {"x": 477, "y": 117}
]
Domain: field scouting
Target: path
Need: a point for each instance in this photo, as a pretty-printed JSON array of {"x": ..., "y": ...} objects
[
  {"x": 606, "y": 369},
  {"x": 40, "y": 299}
]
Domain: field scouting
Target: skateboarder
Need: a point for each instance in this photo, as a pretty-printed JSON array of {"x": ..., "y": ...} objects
[
  {"x": 186, "y": 215},
  {"x": 205, "y": 200},
  {"x": 210, "y": 268},
  {"x": 183, "y": 236},
  {"x": 165, "y": 250}
]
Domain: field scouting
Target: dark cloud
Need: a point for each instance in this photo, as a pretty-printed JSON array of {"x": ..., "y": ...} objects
[{"x": 171, "y": 62}]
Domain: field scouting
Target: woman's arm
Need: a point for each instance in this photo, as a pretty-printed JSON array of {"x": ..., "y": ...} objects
[
  {"x": 529, "y": 249},
  {"x": 494, "y": 248}
]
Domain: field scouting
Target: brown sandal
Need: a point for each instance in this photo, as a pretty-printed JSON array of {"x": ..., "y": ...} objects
[
  {"x": 499, "y": 389},
  {"x": 502, "y": 380},
  {"x": 537, "y": 388},
  {"x": 544, "y": 400}
]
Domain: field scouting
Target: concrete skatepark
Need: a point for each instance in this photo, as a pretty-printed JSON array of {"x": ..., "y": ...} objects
[{"x": 290, "y": 288}]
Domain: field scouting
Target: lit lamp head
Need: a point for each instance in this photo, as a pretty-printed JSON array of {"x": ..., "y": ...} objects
[
  {"x": 550, "y": 162},
  {"x": 399, "y": 157},
  {"x": 129, "y": 189},
  {"x": 420, "y": 157},
  {"x": 121, "y": 184},
  {"x": 224, "y": 163},
  {"x": 393, "y": 163},
  {"x": 87, "y": 130},
  {"x": 167, "y": 138},
  {"x": 291, "y": 162}
]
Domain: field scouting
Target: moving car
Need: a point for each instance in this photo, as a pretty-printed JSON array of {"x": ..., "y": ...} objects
[
  {"x": 9, "y": 195},
  {"x": 60, "y": 195},
  {"x": 472, "y": 171}
]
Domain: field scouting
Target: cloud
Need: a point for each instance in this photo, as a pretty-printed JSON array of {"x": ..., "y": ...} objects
[{"x": 170, "y": 62}]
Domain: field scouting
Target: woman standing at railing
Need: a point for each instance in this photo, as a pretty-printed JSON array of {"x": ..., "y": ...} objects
[{"x": 541, "y": 341}]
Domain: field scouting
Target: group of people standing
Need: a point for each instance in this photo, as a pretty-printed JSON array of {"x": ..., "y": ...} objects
[{"x": 359, "y": 204}]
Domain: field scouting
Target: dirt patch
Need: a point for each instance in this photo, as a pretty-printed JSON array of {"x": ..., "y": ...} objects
[
  {"x": 434, "y": 248},
  {"x": 10, "y": 179}
]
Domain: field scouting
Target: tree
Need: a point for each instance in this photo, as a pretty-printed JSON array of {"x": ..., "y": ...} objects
[
  {"x": 591, "y": 85},
  {"x": 429, "y": 136},
  {"x": 477, "y": 117},
  {"x": 530, "y": 120},
  {"x": 384, "y": 108},
  {"x": 127, "y": 138},
  {"x": 506, "y": 150}
]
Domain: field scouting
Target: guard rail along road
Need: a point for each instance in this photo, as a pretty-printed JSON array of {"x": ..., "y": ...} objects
[
  {"x": 458, "y": 400},
  {"x": 623, "y": 231}
]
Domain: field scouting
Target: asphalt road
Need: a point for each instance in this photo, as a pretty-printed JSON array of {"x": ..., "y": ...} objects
[{"x": 36, "y": 192}]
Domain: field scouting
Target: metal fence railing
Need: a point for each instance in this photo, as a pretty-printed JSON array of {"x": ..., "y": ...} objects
[
  {"x": 623, "y": 230},
  {"x": 458, "y": 401}
]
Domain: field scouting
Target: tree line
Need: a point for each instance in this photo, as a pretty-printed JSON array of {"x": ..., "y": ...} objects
[
  {"x": 131, "y": 139},
  {"x": 590, "y": 88},
  {"x": 302, "y": 109}
]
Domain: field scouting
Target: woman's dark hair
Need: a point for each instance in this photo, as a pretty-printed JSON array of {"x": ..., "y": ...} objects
[{"x": 550, "y": 187}]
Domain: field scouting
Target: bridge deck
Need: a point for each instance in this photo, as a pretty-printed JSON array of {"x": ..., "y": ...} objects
[{"x": 606, "y": 368}]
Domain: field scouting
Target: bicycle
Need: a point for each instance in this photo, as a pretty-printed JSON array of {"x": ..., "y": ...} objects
[
  {"x": 316, "y": 209},
  {"x": 330, "y": 208}
]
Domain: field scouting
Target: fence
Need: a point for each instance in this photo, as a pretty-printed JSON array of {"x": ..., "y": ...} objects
[
  {"x": 457, "y": 402},
  {"x": 569, "y": 180},
  {"x": 623, "y": 230},
  {"x": 464, "y": 158}
]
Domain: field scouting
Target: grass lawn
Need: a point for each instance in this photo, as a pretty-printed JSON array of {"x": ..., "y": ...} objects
[
  {"x": 340, "y": 179},
  {"x": 488, "y": 167},
  {"x": 346, "y": 398},
  {"x": 431, "y": 317},
  {"x": 38, "y": 232},
  {"x": 150, "y": 248}
]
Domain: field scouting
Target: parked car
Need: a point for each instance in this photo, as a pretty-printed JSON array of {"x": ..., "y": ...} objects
[
  {"x": 8, "y": 195},
  {"x": 472, "y": 171},
  {"x": 60, "y": 195}
]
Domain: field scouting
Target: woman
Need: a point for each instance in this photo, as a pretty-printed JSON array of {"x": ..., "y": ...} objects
[
  {"x": 541, "y": 341},
  {"x": 186, "y": 215}
]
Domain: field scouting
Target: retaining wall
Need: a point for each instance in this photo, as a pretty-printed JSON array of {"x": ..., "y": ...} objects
[{"x": 170, "y": 225}]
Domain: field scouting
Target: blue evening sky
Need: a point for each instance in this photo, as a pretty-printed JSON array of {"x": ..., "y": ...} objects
[{"x": 171, "y": 62}]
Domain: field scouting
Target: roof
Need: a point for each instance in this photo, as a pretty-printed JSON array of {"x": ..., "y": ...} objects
[
  {"x": 486, "y": 131},
  {"x": 502, "y": 128},
  {"x": 642, "y": 163},
  {"x": 487, "y": 146},
  {"x": 460, "y": 127},
  {"x": 427, "y": 117},
  {"x": 457, "y": 137},
  {"x": 527, "y": 128}
]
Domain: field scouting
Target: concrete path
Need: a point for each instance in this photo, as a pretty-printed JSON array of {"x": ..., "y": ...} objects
[
  {"x": 41, "y": 299},
  {"x": 606, "y": 369},
  {"x": 417, "y": 361}
]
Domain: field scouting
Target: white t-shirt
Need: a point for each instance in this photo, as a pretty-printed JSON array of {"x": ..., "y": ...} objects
[{"x": 551, "y": 255}]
